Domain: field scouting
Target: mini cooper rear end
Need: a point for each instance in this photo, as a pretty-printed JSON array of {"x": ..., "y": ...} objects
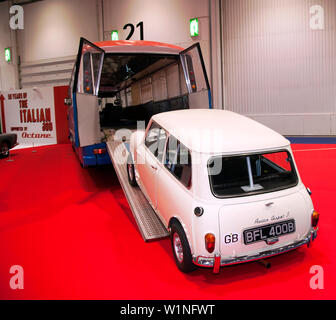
[{"x": 226, "y": 187}]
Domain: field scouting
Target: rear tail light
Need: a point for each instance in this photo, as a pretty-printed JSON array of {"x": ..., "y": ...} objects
[
  {"x": 315, "y": 218},
  {"x": 99, "y": 151},
  {"x": 210, "y": 240}
]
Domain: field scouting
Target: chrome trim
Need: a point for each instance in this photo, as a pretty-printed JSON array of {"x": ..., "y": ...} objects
[
  {"x": 209, "y": 261},
  {"x": 178, "y": 247}
]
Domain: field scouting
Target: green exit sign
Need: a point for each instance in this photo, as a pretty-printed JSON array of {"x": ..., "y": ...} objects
[
  {"x": 114, "y": 35},
  {"x": 8, "y": 56},
  {"x": 194, "y": 27}
]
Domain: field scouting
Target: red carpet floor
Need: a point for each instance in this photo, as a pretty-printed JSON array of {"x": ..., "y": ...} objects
[{"x": 74, "y": 235}]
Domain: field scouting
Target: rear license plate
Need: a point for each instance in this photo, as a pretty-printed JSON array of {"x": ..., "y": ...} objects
[{"x": 274, "y": 230}]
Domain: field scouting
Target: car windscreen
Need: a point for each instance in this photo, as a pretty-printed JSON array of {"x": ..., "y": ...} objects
[{"x": 232, "y": 176}]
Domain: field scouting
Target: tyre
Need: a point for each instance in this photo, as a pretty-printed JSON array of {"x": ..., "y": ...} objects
[
  {"x": 181, "y": 248},
  {"x": 4, "y": 150},
  {"x": 131, "y": 172}
]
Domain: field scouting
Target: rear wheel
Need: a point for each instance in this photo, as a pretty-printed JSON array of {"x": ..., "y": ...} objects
[
  {"x": 181, "y": 248},
  {"x": 131, "y": 172},
  {"x": 4, "y": 150}
]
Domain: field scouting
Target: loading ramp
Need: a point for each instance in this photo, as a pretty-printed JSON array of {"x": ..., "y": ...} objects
[{"x": 150, "y": 226}]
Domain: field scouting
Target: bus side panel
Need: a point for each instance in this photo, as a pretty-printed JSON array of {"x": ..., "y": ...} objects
[
  {"x": 85, "y": 154},
  {"x": 88, "y": 121}
]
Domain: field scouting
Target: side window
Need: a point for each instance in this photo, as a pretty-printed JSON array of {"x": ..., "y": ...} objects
[
  {"x": 178, "y": 161},
  {"x": 89, "y": 70},
  {"x": 155, "y": 140},
  {"x": 87, "y": 77}
]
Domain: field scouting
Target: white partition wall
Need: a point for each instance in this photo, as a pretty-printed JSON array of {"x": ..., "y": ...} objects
[{"x": 280, "y": 63}]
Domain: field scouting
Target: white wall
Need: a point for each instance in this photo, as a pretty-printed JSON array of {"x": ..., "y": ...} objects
[
  {"x": 164, "y": 21},
  {"x": 53, "y": 28},
  {"x": 278, "y": 69},
  {"x": 7, "y": 70}
]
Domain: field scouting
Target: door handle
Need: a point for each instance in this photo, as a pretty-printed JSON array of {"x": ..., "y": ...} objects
[{"x": 153, "y": 167}]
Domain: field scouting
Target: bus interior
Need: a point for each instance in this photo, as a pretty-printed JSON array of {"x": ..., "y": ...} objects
[{"x": 134, "y": 87}]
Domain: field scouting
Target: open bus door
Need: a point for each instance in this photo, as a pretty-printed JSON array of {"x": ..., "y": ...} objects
[
  {"x": 85, "y": 89},
  {"x": 196, "y": 77}
]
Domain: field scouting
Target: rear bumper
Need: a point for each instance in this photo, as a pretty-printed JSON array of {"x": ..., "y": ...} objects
[
  {"x": 90, "y": 159},
  {"x": 96, "y": 160},
  {"x": 216, "y": 262}
]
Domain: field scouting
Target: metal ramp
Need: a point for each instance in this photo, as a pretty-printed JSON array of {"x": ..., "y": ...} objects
[{"x": 149, "y": 224}]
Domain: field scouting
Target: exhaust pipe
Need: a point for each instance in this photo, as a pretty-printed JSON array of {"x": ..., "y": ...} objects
[{"x": 265, "y": 263}]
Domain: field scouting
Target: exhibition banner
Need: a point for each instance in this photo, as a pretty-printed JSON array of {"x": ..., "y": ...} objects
[{"x": 30, "y": 113}]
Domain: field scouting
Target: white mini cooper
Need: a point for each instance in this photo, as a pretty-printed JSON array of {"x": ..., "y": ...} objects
[{"x": 225, "y": 186}]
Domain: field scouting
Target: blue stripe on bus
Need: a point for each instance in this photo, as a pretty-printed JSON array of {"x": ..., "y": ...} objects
[
  {"x": 75, "y": 117},
  {"x": 210, "y": 100}
]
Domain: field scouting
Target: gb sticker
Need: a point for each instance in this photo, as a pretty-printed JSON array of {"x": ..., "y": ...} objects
[{"x": 231, "y": 238}]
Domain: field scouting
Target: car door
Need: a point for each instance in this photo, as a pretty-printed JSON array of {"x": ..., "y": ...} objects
[
  {"x": 85, "y": 87},
  {"x": 149, "y": 160},
  {"x": 196, "y": 77},
  {"x": 174, "y": 188}
]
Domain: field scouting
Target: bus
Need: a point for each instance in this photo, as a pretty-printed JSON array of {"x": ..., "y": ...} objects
[{"x": 116, "y": 84}]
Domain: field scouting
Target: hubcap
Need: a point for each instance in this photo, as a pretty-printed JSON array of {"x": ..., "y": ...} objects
[
  {"x": 178, "y": 247},
  {"x": 130, "y": 171}
]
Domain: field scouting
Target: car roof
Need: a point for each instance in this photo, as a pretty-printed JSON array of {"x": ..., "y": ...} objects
[
  {"x": 138, "y": 46},
  {"x": 219, "y": 131}
]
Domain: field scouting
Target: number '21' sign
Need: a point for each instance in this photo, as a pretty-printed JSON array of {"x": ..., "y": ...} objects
[
  {"x": 316, "y": 22},
  {"x": 132, "y": 28}
]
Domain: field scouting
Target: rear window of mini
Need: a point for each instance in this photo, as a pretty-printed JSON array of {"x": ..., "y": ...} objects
[{"x": 244, "y": 175}]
